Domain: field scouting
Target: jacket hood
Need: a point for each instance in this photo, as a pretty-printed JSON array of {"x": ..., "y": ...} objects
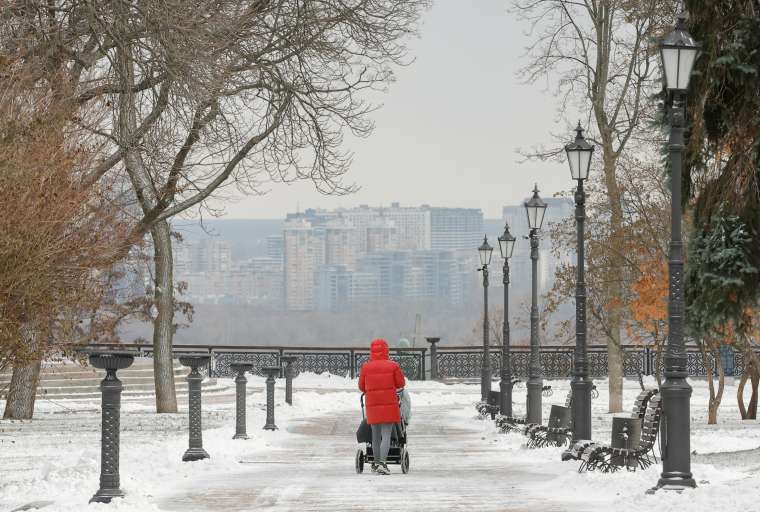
[{"x": 378, "y": 350}]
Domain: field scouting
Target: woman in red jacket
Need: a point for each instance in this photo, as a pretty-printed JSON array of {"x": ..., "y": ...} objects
[{"x": 379, "y": 379}]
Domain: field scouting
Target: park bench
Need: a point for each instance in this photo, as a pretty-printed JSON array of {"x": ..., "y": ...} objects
[
  {"x": 559, "y": 420},
  {"x": 638, "y": 411},
  {"x": 558, "y": 431},
  {"x": 491, "y": 407},
  {"x": 516, "y": 424},
  {"x": 607, "y": 458}
]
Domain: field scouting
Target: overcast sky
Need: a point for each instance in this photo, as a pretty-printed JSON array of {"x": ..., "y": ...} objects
[{"x": 449, "y": 127}]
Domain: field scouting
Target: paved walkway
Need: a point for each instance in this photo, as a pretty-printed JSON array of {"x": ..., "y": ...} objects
[{"x": 452, "y": 468}]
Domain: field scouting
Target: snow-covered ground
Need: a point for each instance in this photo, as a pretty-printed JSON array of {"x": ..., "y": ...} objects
[{"x": 458, "y": 461}]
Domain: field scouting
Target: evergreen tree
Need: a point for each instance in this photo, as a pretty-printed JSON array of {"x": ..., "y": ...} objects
[{"x": 723, "y": 154}]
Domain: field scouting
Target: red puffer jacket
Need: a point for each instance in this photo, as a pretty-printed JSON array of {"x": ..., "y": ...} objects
[{"x": 379, "y": 379}]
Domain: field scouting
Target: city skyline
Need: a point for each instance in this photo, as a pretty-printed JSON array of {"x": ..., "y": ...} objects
[{"x": 320, "y": 259}]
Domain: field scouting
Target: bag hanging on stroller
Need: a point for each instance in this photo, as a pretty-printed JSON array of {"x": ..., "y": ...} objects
[{"x": 364, "y": 432}]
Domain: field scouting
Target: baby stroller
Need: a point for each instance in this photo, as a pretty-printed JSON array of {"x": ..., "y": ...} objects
[{"x": 397, "y": 453}]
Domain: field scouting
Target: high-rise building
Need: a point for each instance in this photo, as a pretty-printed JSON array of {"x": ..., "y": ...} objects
[
  {"x": 389, "y": 267},
  {"x": 439, "y": 275},
  {"x": 216, "y": 255},
  {"x": 412, "y": 226},
  {"x": 363, "y": 253},
  {"x": 256, "y": 281},
  {"x": 332, "y": 288},
  {"x": 275, "y": 247},
  {"x": 455, "y": 229},
  {"x": 266, "y": 276},
  {"x": 203, "y": 256},
  {"x": 360, "y": 218},
  {"x": 382, "y": 235},
  {"x": 304, "y": 253},
  {"x": 341, "y": 243}
]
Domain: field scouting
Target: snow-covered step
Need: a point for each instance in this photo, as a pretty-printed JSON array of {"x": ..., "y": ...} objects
[
  {"x": 70, "y": 380},
  {"x": 94, "y": 379}
]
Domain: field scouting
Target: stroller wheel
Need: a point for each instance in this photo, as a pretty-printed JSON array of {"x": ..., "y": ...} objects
[
  {"x": 405, "y": 462},
  {"x": 359, "y": 461}
]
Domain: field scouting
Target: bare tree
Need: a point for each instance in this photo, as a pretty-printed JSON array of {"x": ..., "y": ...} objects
[
  {"x": 55, "y": 232},
  {"x": 602, "y": 53},
  {"x": 207, "y": 93}
]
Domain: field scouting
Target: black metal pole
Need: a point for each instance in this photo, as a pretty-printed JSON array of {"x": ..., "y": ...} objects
[
  {"x": 272, "y": 372},
  {"x": 485, "y": 384},
  {"x": 581, "y": 384},
  {"x": 433, "y": 357},
  {"x": 195, "y": 449},
  {"x": 289, "y": 373},
  {"x": 505, "y": 385},
  {"x": 110, "y": 388},
  {"x": 240, "y": 383},
  {"x": 535, "y": 381},
  {"x": 676, "y": 391}
]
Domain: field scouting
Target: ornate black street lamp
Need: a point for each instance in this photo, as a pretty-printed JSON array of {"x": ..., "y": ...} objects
[
  {"x": 506, "y": 247},
  {"x": 579, "y": 154},
  {"x": 679, "y": 52},
  {"x": 536, "y": 209},
  {"x": 485, "y": 251}
]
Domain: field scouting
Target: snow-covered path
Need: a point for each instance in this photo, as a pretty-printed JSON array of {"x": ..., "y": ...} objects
[
  {"x": 452, "y": 468},
  {"x": 457, "y": 461}
]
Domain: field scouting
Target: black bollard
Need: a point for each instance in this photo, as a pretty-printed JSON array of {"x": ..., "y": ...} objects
[
  {"x": 195, "y": 450},
  {"x": 271, "y": 372},
  {"x": 240, "y": 381},
  {"x": 110, "y": 388},
  {"x": 289, "y": 374},
  {"x": 433, "y": 357}
]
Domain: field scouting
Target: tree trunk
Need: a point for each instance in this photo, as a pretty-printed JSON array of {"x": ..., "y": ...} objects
[
  {"x": 752, "y": 408},
  {"x": 740, "y": 395},
  {"x": 163, "y": 367},
  {"x": 22, "y": 392},
  {"x": 615, "y": 365},
  {"x": 163, "y": 328},
  {"x": 615, "y": 287},
  {"x": 712, "y": 416},
  {"x": 707, "y": 347},
  {"x": 750, "y": 373}
]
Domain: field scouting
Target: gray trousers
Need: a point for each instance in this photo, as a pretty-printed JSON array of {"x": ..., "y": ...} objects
[{"x": 381, "y": 440}]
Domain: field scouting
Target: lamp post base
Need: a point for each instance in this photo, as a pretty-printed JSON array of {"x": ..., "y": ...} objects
[
  {"x": 675, "y": 433},
  {"x": 240, "y": 436},
  {"x": 195, "y": 454},
  {"x": 485, "y": 384},
  {"x": 675, "y": 483},
  {"x": 534, "y": 413},
  {"x": 106, "y": 495},
  {"x": 505, "y": 396},
  {"x": 581, "y": 412}
]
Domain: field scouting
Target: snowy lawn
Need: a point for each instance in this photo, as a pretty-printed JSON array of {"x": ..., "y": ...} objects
[
  {"x": 729, "y": 482},
  {"x": 56, "y": 457}
]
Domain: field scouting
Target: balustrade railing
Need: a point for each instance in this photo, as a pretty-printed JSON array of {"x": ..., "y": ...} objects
[
  {"x": 453, "y": 361},
  {"x": 338, "y": 361}
]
